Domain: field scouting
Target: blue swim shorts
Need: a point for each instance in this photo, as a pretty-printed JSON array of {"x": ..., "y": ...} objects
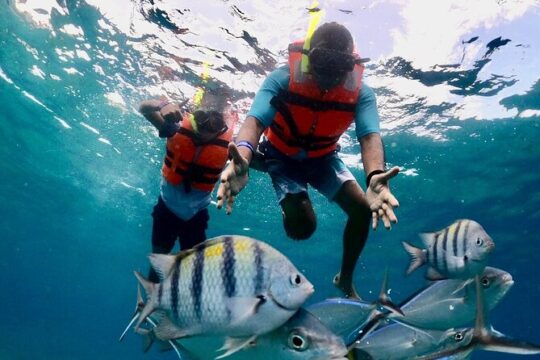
[{"x": 290, "y": 176}]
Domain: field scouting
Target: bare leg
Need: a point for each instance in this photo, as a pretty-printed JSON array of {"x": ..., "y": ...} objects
[
  {"x": 298, "y": 216},
  {"x": 352, "y": 200}
]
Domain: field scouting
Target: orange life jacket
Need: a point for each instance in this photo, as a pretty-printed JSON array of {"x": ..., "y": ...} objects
[
  {"x": 194, "y": 164},
  {"x": 308, "y": 118}
]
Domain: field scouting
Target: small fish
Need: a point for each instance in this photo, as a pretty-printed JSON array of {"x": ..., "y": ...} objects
[
  {"x": 402, "y": 342},
  {"x": 234, "y": 286},
  {"x": 347, "y": 317},
  {"x": 445, "y": 304},
  {"x": 460, "y": 250},
  {"x": 483, "y": 337},
  {"x": 471, "y": 40},
  {"x": 302, "y": 337},
  {"x": 451, "y": 303}
]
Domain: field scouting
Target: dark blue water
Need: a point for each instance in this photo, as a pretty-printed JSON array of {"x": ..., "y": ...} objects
[{"x": 80, "y": 168}]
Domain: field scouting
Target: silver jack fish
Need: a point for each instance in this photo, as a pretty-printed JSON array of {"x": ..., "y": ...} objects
[
  {"x": 445, "y": 304},
  {"x": 451, "y": 303},
  {"x": 348, "y": 317},
  {"x": 302, "y": 337},
  {"x": 482, "y": 337},
  {"x": 460, "y": 250},
  {"x": 401, "y": 342},
  {"x": 229, "y": 285}
]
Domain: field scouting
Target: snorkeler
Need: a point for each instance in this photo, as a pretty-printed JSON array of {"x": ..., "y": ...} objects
[
  {"x": 196, "y": 154},
  {"x": 303, "y": 114}
]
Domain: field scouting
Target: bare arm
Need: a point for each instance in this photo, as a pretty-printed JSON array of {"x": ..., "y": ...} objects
[
  {"x": 372, "y": 152},
  {"x": 159, "y": 114},
  {"x": 380, "y": 198},
  {"x": 251, "y": 132},
  {"x": 235, "y": 176}
]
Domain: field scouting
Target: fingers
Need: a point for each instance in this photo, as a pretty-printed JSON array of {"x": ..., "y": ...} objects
[
  {"x": 375, "y": 219},
  {"x": 384, "y": 212},
  {"x": 391, "y": 173},
  {"x": 230, "y": 202},
  {"x": 224, "y": 187},
  {"x": 384, "y": 177},
  {"x": 389, "y": 213},
  {"x": 220, "y": 195}
]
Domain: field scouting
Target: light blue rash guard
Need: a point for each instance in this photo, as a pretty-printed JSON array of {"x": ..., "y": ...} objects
[
  {"x": 183, "y": 204},
  {"x": 366, "y": 116}
]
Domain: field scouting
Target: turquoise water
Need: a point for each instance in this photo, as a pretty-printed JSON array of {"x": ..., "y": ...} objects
[{"x": 80, "y": 168}]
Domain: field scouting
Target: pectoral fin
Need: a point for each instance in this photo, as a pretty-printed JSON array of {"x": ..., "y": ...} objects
[
  {"x": 167, "y": 330},
  {"x": 242, "y": 308},
  {"x": 433, "y": 274},
  {"x": 233, "y": 345}
]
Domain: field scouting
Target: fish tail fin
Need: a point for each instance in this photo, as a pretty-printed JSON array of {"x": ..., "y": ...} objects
[
  {"x": 149, "y": 307},
  {"x": 418, "y": 257}
]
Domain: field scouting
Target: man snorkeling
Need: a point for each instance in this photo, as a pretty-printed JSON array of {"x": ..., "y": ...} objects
[
  {"x": 303, "y": 110},
  {"x": 196, "y": 154}
]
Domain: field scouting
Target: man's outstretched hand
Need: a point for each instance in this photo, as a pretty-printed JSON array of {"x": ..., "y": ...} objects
[
  {"x": 380, "y": 199},
  {"x": 233, "y": 179}
]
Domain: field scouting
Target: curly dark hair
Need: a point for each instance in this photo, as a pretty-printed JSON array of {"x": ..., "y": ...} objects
[
  {"x": 333, "y": 36},
  {"x": 211, "y": 121}
]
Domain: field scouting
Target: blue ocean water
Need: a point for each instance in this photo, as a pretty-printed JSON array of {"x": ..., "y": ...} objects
[{"x": 80, "y": 167}]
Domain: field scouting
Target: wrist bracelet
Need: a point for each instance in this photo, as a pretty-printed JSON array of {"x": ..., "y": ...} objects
[
  {"x": 371, "y": 174},
  {"x": 246, "y": 144}
]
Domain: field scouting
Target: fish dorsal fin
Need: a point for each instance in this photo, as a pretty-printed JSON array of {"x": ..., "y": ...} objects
[
  {"x": 167, "y": 330},
  {"x": 433, "y": 275},
  {"x": 162, "y": 264},
  {"x": 218, "y": 239},
  {"x": 428, "y": 239},
  {"x": 384, "y": 299}
]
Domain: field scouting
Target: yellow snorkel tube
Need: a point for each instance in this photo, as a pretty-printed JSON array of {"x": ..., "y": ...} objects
[
  {"x": 198, "y": 97},
  {"x": 315, "y": 16}
]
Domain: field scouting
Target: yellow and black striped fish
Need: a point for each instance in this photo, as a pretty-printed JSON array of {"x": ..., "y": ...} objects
[{"x": 229, "y": 285}]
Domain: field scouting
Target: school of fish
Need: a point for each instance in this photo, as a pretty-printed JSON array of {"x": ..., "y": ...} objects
[{"x": 244, "y": 293}]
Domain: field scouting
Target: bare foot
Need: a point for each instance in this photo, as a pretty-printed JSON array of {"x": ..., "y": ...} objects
[{"x": 347, "y": 288}]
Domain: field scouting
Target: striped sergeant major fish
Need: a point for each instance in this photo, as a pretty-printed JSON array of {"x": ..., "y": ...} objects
[
  {"x": 460, "y": 251},
  {"x": 229, "y": 285}
]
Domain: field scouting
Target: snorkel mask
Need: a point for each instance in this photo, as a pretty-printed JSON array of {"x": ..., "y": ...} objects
[{"x": 202, "y": 126}]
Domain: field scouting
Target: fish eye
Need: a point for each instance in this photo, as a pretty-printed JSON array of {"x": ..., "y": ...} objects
[
  {"x": 296, "y": 279},
  {"x": 458, "y": 336},
  {"x": 479, "y": 241},
  {"x": 485, "y": 281},
  {"x": 297, "y": 341}
]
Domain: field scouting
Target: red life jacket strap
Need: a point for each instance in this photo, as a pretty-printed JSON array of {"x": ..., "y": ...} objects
[
  {"x": 306, "y": 142},
  {"x": 215, "y": 141},
  {"x": 315, "y": 105}
]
